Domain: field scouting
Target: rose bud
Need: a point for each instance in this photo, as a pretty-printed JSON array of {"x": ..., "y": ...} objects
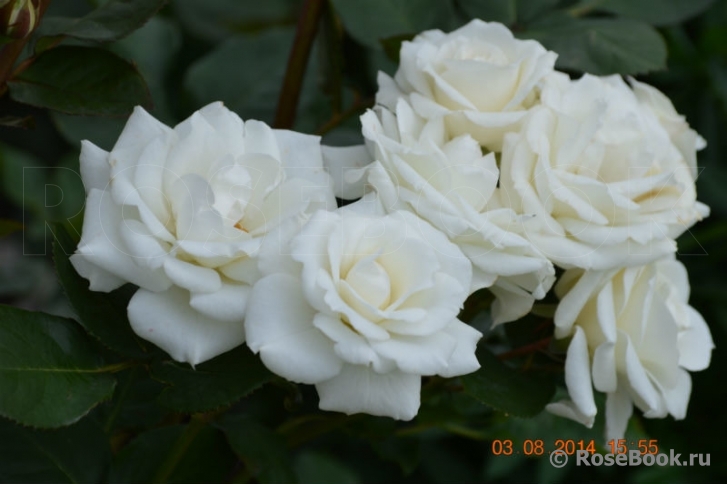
[{"x": 18, "y": 18}]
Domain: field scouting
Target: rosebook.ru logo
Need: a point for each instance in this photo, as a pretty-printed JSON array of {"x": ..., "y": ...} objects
[{"x": 559, "y": 458}]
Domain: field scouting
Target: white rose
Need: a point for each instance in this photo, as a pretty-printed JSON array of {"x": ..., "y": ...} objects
[
  {"x": 599, "y": 173},
  {"x": 181, "y": 213},
  {"x": 450, "y": 184},
  {"x": 684, "y": 138},
  {"x": 364, "y": 307},
  {"x": 634, "y": 338},
  {"x": 479, "y": 77}
]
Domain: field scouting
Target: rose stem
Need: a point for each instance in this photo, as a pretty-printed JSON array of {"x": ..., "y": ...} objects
[
  {"x": 196, "y": 424},
  {"x": 297, "y": 62},
  {"x": 359, "y": 104},
  {"x": 526, "y": 350}
]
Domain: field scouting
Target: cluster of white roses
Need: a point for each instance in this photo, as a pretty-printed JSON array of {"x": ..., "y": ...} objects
[{"x": 482, "y": 168}]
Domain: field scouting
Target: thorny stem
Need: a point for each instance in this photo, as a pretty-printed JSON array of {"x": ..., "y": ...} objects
[{"x": 297, "y": 61}]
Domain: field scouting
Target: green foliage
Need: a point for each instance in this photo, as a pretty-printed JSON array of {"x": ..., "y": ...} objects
[
  {"x": 215, "y": 20},
  {"x": 219, "y": 382},
  {"x": 174, "y": 454},
  {"x": 263, "y": 451},
  {"x": 319, "y": 468},
  {"x": 7, "y": 227},
  {"x": 45, "y": 360},
  {"x": 79, "y": 454},
  {"x": 507, "y": 389},
  {"x": 116, "y": 409},
  {"x": 504, "y": 12},
  {"x": 655, "y": 12},
  {"x": 252, "y": 93},
  {"x": 370, "y": 22},
  {"x": 101, "y": 314},
  {"x": 81, "y": 80},
  {"x": 114, "y": 20},
  {"x": 601, "y": 46}
]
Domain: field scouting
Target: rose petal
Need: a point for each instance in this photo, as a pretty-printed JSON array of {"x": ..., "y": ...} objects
[
  {"x": 618, "y": 413},
  {"x": 578, "y": 376},
  {"x": 463, "y": 359},
  {"x": 94, "y": 164},
  {"x": 192, "y": 277},
  {"x": 695, "y": 343},
  {"x": 358, "y": 389},
  {"x": 167, "y": 320},
  {"x": 421, "y": 355},
  {"x": 228, "y": 303},
  {"x": 339, "y": 161},
  {"x": 102, "y": 246},
  {"x": 284, "y": 335}
]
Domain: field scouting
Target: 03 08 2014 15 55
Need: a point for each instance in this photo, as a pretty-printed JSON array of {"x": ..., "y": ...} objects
[{"x": 536, "y": 447}]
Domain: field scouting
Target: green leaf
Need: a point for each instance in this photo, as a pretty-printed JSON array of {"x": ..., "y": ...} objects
[
  {"x": 81, "y": 80},
  {"x": 216, "y": 20},
  {"x": 503, "y": 11},
  {"x": 443, "y": 464},
  {"x": 252, "y": 93},
  {"x": 369, "y": 22},
  {"x": 102, "y": 314},
  {"x": 195, "y": 455},
  {"x": 77, "y": 454},
  {"x": 112, "y": 21},
  {"x": 601, "y": 46},
  {"x": 213, "y": 384},
  {"x": 133, "y": 407},
  {"x": 655, "y": 12},
  {"x": 104, "y": 131},
  {"x": 50, "y": 372},
  {"x": 8, "y": 227},
  {"x": 262, "y": 450},
  {"x": 23, "y": 179},
  {"x": 392, "y": 45},
  {"x": 319, "y": 468},
  {"x": 154, "y": 49},
  {"x": 404, "y": 451},
  {"x": 531, "y": 10},
  {"x": 506, "y": 389}
]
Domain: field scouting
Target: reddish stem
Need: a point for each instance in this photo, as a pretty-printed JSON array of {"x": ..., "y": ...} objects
[
  {"x": 526, "y": 350},
  {"x": 297, "y": 62}
]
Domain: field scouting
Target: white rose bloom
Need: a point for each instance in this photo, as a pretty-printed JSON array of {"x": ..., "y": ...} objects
[
  {"x": 634, "y": 338},
  {"x": 450, "y": 184},
  {"x": 601, "y": 176},
  {"x": 684, "y": 138},
  {"x": 365, "y": 305},
  {"x": 181, "y": 213},
  {"x": 479, "y": 77}
]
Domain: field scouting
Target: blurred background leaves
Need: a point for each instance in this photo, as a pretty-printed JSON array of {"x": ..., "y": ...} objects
[{"x": 140, "y": 417}]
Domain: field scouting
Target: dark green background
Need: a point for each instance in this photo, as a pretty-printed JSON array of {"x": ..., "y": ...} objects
[{"x": 192, "y": 52}]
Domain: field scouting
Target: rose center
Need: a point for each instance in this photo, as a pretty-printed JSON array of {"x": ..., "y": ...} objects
[
  {"x": 477, "y": 51},
  {"x": 371, "y": 282}
]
